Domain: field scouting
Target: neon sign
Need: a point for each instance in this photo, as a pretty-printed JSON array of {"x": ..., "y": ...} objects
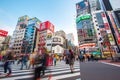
[{"x": 83, "y": 18}]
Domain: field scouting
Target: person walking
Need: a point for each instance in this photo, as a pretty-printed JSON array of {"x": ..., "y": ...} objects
[
  {"x": 24, "y": 61},
  {"x": 71, "y": 60},
  {"x": 32, "y": 61},
  {"x": 7, "y": 66},
  {"x": 40, "y": 62},
  {"x": 55, "y": 60}
]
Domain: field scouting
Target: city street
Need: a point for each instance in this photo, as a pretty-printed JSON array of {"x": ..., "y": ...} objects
[
  {"x": 99, "y": 71},
  {"x": 88, "y": 71},
  {"x": 60, "y": 71}
]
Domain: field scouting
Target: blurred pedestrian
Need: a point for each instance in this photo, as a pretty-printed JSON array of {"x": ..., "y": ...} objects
[
  {"x": 55, "y": 60},
  {"x": 40, "y": 61},
  {"x": 71, "y": 60},
  {"x": 32, "y": 60},
  {"x": 24, "y": 61},
  {"x": 7, "y": 66}
]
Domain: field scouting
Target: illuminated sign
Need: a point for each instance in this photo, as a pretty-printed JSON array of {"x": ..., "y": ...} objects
[
  {"x": 49, "y": 35},
  {"x": 47, "y": 26},
  {"x": 82, "y": 5},
  {"x": 3, "y": 33},
  {"x": 87, "y": 45},
  {"x": 83, "y": 18}
]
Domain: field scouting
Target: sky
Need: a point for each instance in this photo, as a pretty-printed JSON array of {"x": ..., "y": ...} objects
[{"x": 61, "y": 13}]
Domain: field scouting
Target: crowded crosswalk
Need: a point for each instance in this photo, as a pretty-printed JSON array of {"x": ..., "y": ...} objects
[{"x": 60, "y": 71}]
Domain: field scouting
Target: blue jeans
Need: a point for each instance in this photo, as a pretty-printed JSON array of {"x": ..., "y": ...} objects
[
  {"x": 7, "y": 66},
  {"x": 23, "y": 63}
]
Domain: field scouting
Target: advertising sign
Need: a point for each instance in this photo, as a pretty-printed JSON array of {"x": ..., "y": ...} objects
[
  {"x": 80, "y": 31},
  {"x": 46, "y": 25},
  {"x": 82, "y": 5},
  {"x": 3, "y": 33},
  {"x": 87, "y": 45},
  {"x": 49, "y": 35},
  {"x": 83, "y": 18}
]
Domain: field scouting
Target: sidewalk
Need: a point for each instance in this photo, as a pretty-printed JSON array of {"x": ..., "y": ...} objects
[{"x": 110, "y": 62}]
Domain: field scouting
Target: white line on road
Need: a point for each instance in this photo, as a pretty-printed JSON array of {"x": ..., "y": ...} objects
[{"x": 111, "y": 64}]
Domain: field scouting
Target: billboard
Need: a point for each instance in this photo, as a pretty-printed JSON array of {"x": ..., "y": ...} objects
[
  {"x": 83, "y": 18},
  {"x": 46, "y": 25},
  {"x": 87, "y": 45},
  {"x": 3, "y": 33},
  {"x": 116, "y": 30},
  {"x": 82, "y": 5}
]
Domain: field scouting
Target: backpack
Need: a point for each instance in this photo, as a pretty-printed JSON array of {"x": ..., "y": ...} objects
[{"x": 38, "y": 59}]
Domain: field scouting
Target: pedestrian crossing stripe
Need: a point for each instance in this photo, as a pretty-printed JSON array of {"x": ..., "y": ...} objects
[
  {"x": 78, "y": 79},
  {"x": 57, "y": 72}
]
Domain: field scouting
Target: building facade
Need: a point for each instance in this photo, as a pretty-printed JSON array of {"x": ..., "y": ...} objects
[
  {"x": 3, "y": 36},
  {"x": 24, "y": 36},
  {"x": 43, "y": 40},
  {"x": 70, "y": 39},
  {"x": 103, "y": 32},
  {"x": 85, "y": 28},
  {"x": 63, "y": 35}
]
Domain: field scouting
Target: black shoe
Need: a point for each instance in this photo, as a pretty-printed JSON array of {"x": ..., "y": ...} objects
[{"x": 71, "y": 71}]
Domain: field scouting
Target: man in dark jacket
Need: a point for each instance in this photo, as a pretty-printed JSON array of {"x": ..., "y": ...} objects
[
  {"x": 7, "y": 66},
  {"x": 41, "y": 65}
]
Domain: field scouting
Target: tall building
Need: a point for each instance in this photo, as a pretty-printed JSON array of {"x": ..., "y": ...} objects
[
  {"x": 114, "y": 17},
  {"x": 31, "y": 35},
  {"x": 82, "y": 8},
  {"x": 63, "y": 35},
  {"x": 94, "y": 5},
  {"x": 58, "y": 45},
  {"x": 106, "y": 5},
  {"x": 85, "y": 28},
  {"x": 103, "y": 32},
  {"x": 44, "y": 39},
  {"x": 70, "y": 39},
  {"x": 23, "y": 40},
  {"x": 18, "y": 35}
]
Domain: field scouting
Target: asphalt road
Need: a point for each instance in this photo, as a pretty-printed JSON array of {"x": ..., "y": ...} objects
[{"x": 99, "y": 71}]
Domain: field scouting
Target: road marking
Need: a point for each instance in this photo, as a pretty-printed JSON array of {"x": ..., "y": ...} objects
[
  {"x": 111, "y": 64},
  {"x": 78, "y": 79}
]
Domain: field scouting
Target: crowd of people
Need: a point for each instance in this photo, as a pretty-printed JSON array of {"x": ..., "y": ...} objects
[{"x": 40, "y": 62}]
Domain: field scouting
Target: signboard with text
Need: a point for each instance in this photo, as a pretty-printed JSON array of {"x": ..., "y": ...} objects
[
  {"x": 3, "y": 33},
  {"x": 46, "y": 25}
]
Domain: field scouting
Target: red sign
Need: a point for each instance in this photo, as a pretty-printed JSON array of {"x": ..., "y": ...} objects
[
  {"x": 46, "y": 25},
  {"x": 103, "y": 15},
  {"x": 3, "y": 33},
  {"x": 106, "y": 26}
]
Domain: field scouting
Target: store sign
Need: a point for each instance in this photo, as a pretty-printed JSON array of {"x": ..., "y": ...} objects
[
  {"x": 49, "y": 35},
  {"x": 43, "y": 26},
  {"x": 83, "y": 18},
  {"x": 3, "y": 33},
  {"x": 47, "y": 26}
]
